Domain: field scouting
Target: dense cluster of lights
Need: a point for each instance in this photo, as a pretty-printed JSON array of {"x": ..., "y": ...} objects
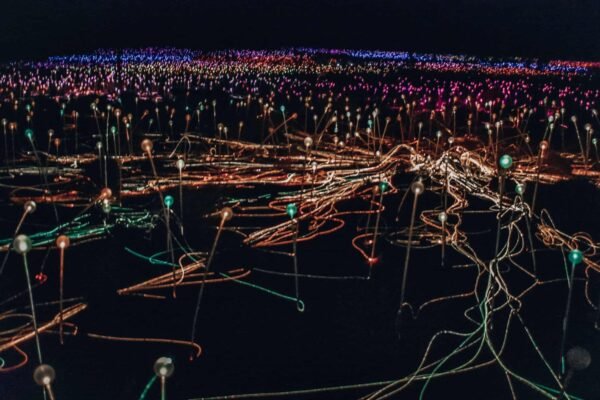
[{"x": 331, "y": 130}]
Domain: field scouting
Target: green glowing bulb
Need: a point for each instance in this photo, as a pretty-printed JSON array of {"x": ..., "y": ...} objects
[
  {"x": 575, "y": 256},
  {"x": 506, "y": 161},
  {"x": 169, "y": 200},
  {"x": 520, "y": 188},
  {"x": 29, "y": 133},
  {"x": 291, "y": 210},
  {"x": 383, "y": 185}
]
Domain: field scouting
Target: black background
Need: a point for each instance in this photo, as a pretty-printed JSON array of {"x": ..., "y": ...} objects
[{"x": 565, "y": 29}]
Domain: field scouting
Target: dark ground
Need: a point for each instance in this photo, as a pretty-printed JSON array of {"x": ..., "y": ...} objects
[{"x": 255, "y": 342}]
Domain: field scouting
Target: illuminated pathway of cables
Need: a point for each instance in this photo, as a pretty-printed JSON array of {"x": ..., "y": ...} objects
[{"x": 297, "y": 145}]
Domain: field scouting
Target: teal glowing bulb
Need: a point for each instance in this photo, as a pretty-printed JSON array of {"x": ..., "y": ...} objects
[
  {"x": 520, "y": 188},
  {"x": 505, "y": 161},
  {"x": 169, "y": 200},
  {"x": 29, "y": 133},
  {"x": 383, "y": 185},
  {"x": 575, "y": 256},
  {"x": 291, "y": 210},
  {"x": 282, "y": 108}
]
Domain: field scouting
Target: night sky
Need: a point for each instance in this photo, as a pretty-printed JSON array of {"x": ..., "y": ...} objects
[{"x": 565, "y": 29}]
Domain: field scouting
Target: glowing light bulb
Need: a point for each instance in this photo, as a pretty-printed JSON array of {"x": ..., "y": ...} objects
[
  {"x": 147, "y": 145},
  {"x": 308, "y": 142},
  {"x": 29, "y": 133},
  {"x": 226, "y": 213},
  {"x": 417, "y": 188},
  {"x": 22, "y": 244},
  {"x": 29, "y": 207},
  {"x": 180, "y": 164},
  {"x": 505, "y": 161},
  {"x": 164, "y": 367},
  {"x": 169, "y": 200},
  {"x": 442, "y": 217},
  {"x": 44, "y": 375},
  {"x": 63, "y": 241},
  {"x": 575, "y": 256},
  {"x": 105, "y": 193},
  {"x": 291, "y": 210},
  {"x": 520, "y": 188}
]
